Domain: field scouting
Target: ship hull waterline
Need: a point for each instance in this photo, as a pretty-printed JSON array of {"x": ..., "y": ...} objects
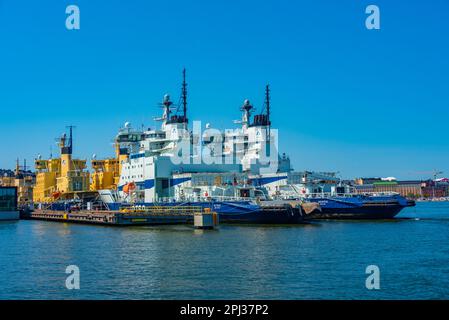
[{"x": 365, "y": 210}]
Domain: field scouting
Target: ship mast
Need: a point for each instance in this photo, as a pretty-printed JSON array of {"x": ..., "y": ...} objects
[
  {"x": 66, "y": 145},
  {"x": 267, "y": 104},
  {"x": 184, "y": 96},
  {"x": 70, "y": 142}
]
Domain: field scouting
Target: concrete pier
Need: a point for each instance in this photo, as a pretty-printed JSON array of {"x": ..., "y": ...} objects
[
  {"x": 205, "y": 220},
  {"x": 128, "y": 217}
]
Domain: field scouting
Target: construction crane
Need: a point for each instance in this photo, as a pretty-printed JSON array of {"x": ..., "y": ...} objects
[{"x": 435, "y": 173}]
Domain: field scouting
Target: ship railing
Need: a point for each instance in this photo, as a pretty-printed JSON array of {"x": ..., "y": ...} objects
[
  {"x": 155, "y": 209},
  {"x": 214, "y": 198},
  {"x": 227, "y": 198},
  {"x": 348, "y": 195}
]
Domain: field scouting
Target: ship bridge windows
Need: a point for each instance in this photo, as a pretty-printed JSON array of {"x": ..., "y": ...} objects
[
  {"x": 77, "y": 186},
  {"x": 155, "y": 135},
  {"x": 244, "y": 193},
  {"x": 340, "y": 190},
  {"x": 137, "y": 155}
]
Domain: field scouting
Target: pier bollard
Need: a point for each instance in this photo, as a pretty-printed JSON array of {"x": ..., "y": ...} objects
[{"x": 205, "y": 220}]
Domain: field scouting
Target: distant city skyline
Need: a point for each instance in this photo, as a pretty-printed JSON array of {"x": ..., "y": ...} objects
[{"x": 365, "y": 103}]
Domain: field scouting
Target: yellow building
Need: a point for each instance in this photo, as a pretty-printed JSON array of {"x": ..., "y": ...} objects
[
  {"x": 24, "y": 181},
  {"x": 7, "y": 181},
  {"x": 61, "y": 178}
]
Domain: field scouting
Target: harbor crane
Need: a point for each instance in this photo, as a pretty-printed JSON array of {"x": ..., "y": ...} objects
[{"x": 435, "y": 173}]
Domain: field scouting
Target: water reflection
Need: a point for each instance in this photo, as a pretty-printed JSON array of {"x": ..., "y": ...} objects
[{"x": 323, "y": 260}]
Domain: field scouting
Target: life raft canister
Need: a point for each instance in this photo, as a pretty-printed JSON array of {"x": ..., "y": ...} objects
[{"x": 56, "y": 195}]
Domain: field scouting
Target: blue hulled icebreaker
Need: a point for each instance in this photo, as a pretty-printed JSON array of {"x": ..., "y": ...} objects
[{"x": 238, "y": 172}]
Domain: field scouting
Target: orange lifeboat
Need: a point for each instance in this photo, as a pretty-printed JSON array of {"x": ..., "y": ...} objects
[{"x": 129, "y": 187}]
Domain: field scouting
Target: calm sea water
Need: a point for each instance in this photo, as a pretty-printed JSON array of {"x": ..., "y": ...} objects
[{"x": 325, "y": 260}]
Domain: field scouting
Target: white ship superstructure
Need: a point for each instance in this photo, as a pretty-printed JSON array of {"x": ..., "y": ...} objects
[
  {"x": 294, "y": 185},
  {"x": 255, "y": 143},
  {"x": 153, "y": 173}
]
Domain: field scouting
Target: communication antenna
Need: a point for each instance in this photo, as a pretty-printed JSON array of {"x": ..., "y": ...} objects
[{"x": 184, "y": 94}]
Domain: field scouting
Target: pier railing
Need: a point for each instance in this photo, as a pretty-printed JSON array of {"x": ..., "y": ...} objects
[{"x": 178, "y": 210}]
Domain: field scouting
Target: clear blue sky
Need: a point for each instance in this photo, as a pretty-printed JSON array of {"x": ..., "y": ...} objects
[{"x": 362, "y": 102}]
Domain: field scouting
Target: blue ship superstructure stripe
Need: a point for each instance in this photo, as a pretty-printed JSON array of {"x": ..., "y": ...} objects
[
  {"x": 267, "y": 180},
  {"x": 149, "y": 183},
  {"x": 174, "y": 182}
]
